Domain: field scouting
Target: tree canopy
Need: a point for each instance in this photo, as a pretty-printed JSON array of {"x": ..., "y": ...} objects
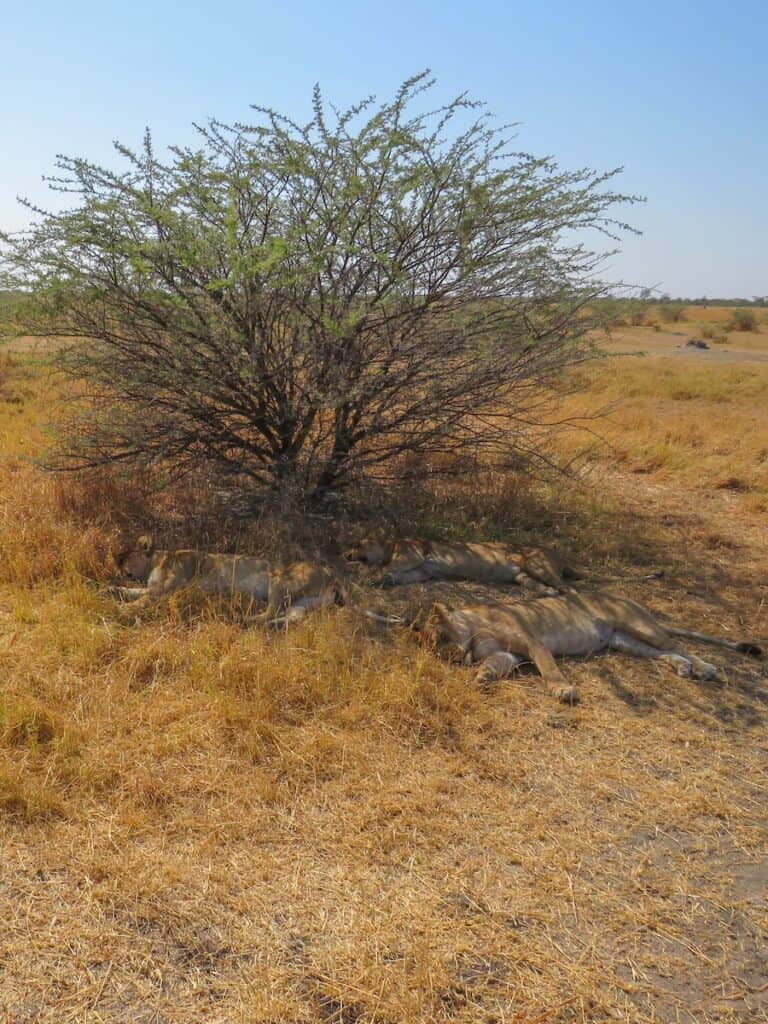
[{"x": 300, "y": 305}]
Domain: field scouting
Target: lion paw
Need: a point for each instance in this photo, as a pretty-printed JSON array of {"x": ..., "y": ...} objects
[
  {"x": 566, "y": 694},
  {"x": 484, "y": 680},
  {"x": 706, "y": 671}
]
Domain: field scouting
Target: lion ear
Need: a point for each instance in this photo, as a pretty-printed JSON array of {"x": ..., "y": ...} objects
[{"x": 145, "y": 543}]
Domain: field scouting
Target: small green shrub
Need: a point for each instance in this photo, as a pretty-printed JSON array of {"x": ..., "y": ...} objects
[
  {"x": 743, "y": 320},
  {"x": 715, "y": 333},
  {"x": 672, "y": 312}
]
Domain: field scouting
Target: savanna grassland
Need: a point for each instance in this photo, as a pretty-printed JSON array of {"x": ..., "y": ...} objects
[{"x": 203, "y": 822}]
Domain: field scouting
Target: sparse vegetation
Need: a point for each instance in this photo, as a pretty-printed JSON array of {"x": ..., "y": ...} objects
[
  {"x": 687, "y": 420},
  {"x": 672, "y": 312},
  {"x": 716, "y": 333},
  {"x": 743, "y": 320}
]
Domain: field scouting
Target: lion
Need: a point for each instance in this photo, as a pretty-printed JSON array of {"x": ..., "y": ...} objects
[
  {"x": 541, "y": 570},
  {"x": 289, "y": 592},
  {"x": 417, "y": 561},
  {"x": 501, "y": 637}
]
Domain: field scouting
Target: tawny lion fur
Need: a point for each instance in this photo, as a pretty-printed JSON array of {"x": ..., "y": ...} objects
[
  {"x": 417, "y": 561},
  {"x": 501, "y": 637},
  {"x": 290, "y": 592}
]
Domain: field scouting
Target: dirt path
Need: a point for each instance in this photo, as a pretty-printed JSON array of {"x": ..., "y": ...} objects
[{"x": 751, "y": 348}]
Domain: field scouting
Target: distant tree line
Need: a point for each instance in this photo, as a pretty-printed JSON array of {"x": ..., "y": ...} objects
[
  {"x": 756, "y": 300},
  {"x": 646, "y": 309},
  {"x": 646, "y": 297}
]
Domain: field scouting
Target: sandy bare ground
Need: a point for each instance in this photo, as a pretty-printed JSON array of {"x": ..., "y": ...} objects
[{"x": 673, "y": 342}]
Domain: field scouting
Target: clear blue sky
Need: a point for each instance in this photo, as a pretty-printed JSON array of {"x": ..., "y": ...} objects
[{"x": 677, "y": 92}]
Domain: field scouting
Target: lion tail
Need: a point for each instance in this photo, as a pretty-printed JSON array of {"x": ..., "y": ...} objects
[
  {"x": 388, "y": 620},
  {"x": 743, "y": 647},
  {"x": 657, "y": 574}
]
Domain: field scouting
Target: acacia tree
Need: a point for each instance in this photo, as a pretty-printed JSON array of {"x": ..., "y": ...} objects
[{"x": 300, "y": 305}]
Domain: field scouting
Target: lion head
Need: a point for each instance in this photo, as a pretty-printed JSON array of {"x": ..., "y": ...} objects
[
  {"x": 370, "y": 551},
  {"x": 136, "y": 563}
]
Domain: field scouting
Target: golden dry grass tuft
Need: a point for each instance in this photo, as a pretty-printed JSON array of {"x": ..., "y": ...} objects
[
  {"x": 206, "y": 822},
  {"x": 707, "y": 427}
]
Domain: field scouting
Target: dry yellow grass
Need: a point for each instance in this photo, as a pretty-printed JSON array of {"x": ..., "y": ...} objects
[
  {"x": 703, "y": 425},
  {"x": 202, "y": 822},
  {"x": 723, "y": 314}
]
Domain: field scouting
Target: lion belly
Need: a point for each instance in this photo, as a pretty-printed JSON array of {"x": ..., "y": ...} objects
[
  {"x": 576, "y": 638},
  {"x": 471, "y": 561},
  {"x": 555, "y": 624},
  {"x": 228, "y": 575}
]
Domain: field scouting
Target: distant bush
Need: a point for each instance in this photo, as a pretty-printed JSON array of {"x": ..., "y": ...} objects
[
  {"x": 622, "y": 312},
  {"x": 715, "y": 332},
  {"x": 743, "y": 320},
  {"x": 672, "y": 313}
]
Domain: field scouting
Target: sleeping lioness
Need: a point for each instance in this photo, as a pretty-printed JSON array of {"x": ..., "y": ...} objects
[
  {"x": 292, "y": 591},
  {"x": 500, "y": 637},
  {"x": 417, "y": 561}
]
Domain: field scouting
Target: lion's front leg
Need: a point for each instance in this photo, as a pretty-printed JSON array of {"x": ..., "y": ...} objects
[
  {"x": 278, "y": 598},
  {"x": 556, "y": 683},
  {"x": 132, "y": 611},
  {"x": 495, "y": 666},
  {"x": 148, "y": 597},
  {"x": 535, "y": 586}
]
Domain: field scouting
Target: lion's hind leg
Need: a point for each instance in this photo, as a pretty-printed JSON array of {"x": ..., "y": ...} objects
[
  {"x": 298, "y": 609},
  {"x": 636, "y": 623},
  {"x": 497, "y": 663},
  {"x": 287, "y": 608},
  {"x": 396, "y": 577},
  {"x": 685, "y": 664}
]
